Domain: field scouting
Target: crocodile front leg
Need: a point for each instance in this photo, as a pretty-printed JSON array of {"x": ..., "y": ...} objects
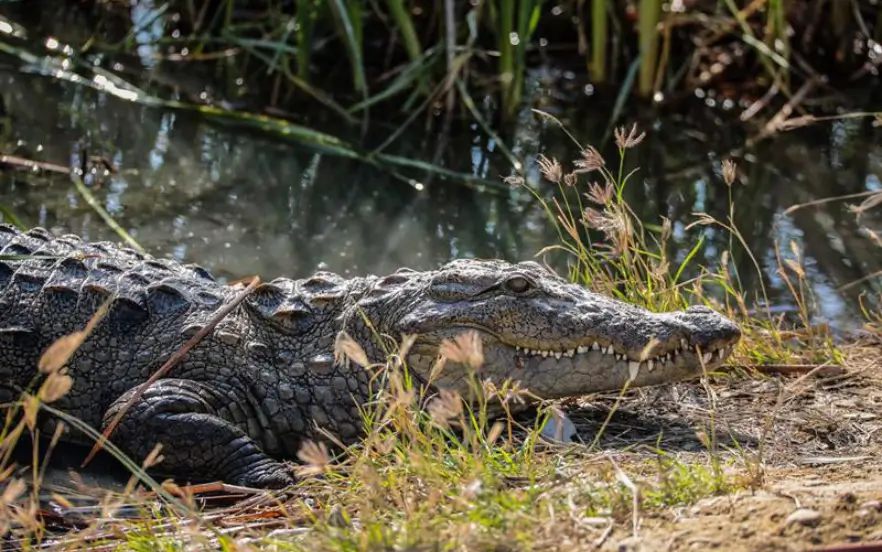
[{"x": 197, "y": 442}]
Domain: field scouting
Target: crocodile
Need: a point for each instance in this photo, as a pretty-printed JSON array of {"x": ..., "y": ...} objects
[{"x": 240, "y": 404}]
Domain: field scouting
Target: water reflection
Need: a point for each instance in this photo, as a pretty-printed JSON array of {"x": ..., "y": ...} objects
[{"x": 240, "y": 204}]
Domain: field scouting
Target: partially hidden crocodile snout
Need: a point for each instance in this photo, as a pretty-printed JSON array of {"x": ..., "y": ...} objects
[{"x": 556, "y": 338}]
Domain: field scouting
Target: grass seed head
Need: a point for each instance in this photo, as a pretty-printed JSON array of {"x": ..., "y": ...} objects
[
  {"x": 629, "y": 140},
  {"x": 590, "y": 162},
  {"x": 601, "y": 194},
  {"x": 14, "y": 489},
  {"x": 729, "y": 172},
  {"x": 550, "y": 169},
  {"x": 514, "y": 180},
  {"x": 57, "y": 385},
  {"x": 30, "y": 409},
  {"x": 154, "y": 458},
  {"x": 316, "y": 458},
  {"x": 57, "y": 355},
  {"x": 464, "y": 349},
  {"x": 445, "y": 407},
  {"x": 347, "y": 348}
]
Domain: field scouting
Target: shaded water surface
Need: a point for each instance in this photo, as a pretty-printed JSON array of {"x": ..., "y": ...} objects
[{"x": 241, "y": 203}]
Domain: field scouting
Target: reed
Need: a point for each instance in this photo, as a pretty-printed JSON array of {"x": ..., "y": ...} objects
[
  {"x": 301, "y": 43},
  {"x": 599, "y": 38},
  {"x": 649, "y": 18}
]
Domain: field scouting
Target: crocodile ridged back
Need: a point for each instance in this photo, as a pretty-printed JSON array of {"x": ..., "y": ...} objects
[{"x": 56, "y": 293}]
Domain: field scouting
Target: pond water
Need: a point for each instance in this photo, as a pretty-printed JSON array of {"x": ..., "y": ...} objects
[{"x": 243, "y": 202}]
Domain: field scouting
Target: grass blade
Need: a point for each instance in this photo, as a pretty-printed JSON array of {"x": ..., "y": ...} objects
[
  {"x": 351, "y": 37},
  {"x": 105, "y": 216},
  {"x": 650, "y": 15},
  {"x": 467, "y": 179},
  {"x": 10, "y": 217},
  {"x": 412, "y": 73},
  {"x": 599, "y": 37},
  {"x": 405, "y": 27},
  {"x": 307, "y": 14},
  {"x": 473, "y": 109},
  {"x": 692, "y": 252}
]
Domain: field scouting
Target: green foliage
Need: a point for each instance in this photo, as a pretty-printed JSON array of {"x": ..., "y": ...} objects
[{"x": 297, "y": 42}]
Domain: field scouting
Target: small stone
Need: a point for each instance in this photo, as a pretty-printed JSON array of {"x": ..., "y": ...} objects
[
  {"x": 804, "y": 516},
  {"x": 559, "y": 428}
]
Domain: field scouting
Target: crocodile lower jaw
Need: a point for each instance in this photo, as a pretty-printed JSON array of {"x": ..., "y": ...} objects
[{"x": 660, "y": 360}]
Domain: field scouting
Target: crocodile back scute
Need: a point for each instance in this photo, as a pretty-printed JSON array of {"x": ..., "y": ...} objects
[{"x": 52, "y": 286}]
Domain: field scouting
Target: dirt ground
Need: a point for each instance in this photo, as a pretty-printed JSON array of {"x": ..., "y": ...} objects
[{"x": 821, "y": 474}]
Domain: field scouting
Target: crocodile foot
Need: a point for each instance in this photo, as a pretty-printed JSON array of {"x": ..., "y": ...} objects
[
  {"x": 197, "y": 443},
  {"x": 264, "y": 474}
]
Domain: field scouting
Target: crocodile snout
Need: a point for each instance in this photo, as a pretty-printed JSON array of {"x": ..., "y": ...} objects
[{"x": 709, "y": 329}]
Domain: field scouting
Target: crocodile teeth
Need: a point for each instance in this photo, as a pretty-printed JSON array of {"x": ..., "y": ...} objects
[
  {"x": 633, "y": 369},
  {"x": 649, "y": 364}
]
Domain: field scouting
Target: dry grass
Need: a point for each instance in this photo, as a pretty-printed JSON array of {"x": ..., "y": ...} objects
[{"x": 433, "y": 473}]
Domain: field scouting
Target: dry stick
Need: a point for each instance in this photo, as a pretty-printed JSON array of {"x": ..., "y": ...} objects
[
  {"x": 29, "y": 164},
  {"x": 822, "y": 201},
  {"x": 780, "y": 118},
  {"x": 785, "y": 369},
  {"x": 171, "y": 362}
]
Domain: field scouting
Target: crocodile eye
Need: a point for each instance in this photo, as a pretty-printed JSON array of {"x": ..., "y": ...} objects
[{"x": 518, "y": 284}]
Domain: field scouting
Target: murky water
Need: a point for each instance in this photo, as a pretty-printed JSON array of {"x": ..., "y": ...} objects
[{"x": 241, "y": 203}]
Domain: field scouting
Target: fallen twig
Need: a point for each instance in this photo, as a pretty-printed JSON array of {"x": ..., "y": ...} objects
[
  {"x": 171, "y": 362},
  {"x": 790, "y": 369},
  {"x": 855, "y": 547}
]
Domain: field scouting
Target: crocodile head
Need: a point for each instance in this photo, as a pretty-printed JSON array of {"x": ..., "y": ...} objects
[{"x": 558, "y": 339}]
